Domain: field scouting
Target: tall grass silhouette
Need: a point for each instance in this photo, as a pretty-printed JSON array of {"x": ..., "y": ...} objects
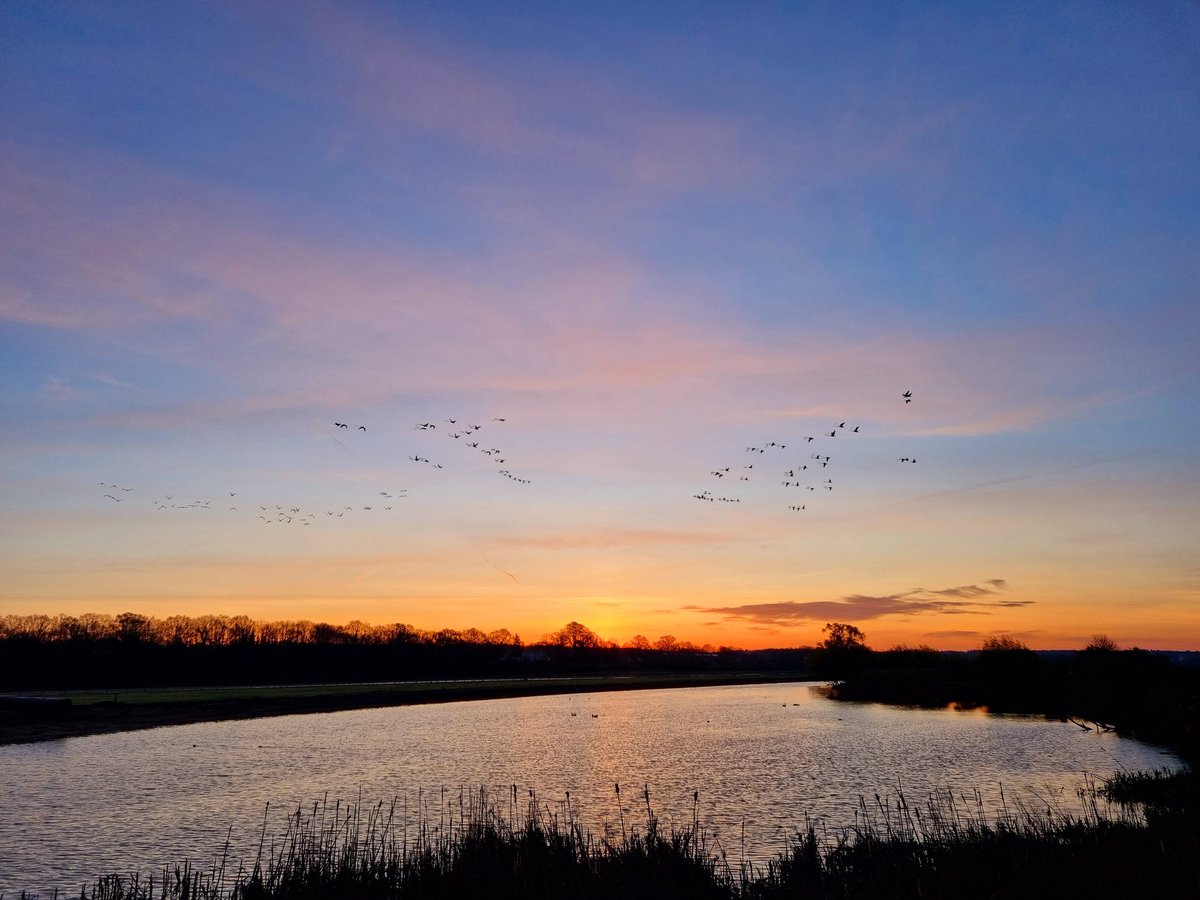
[{"x": 479, "y": 845}]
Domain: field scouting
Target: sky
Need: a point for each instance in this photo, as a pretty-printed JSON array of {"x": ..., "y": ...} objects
[{"x": 649, "y": 250}]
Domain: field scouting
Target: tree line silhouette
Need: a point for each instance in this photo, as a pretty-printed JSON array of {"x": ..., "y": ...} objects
[
  {"x": 221, "y": 630},
  {"x": 1134, "y": 691},
  {"x": 134, "y": 650}
]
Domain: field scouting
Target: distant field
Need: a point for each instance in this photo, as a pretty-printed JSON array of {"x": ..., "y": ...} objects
[
  {"x": 398, "y": 688},
  {"x": 103, "y": 711}
]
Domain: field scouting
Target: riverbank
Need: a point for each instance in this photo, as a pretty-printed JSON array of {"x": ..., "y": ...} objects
[
  {"x": 104, "y": 712},
  {"x": 1131, "y": 692}
]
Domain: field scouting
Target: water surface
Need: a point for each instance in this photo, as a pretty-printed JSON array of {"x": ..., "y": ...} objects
[{"x": 761, "y": 757}]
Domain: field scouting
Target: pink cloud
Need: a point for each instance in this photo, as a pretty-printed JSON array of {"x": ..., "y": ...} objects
[
  {"x": 100, "y": 268},
  {"x": 529, "y": 109},
  {"x": 609, "y": 537},
  {"x": 963, "y": 600},
  {"x": 294, "y": 315}
]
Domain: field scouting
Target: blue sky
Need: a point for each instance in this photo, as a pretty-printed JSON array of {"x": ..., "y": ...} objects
[{"x": 647, "y": 239}]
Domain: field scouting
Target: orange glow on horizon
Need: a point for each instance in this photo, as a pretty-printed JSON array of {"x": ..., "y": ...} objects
[{"x": 621, "y": 628}]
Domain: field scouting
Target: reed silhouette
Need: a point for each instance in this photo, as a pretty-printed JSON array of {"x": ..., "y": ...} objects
[{"x": 480, "y": 845}]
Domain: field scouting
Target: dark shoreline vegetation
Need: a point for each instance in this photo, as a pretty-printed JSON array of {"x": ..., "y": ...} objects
[
  {"x": 939, "y": 848},
  {"x": 520, "y": 847}
]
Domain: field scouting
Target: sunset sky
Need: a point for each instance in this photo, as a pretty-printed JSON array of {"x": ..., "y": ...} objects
[{"x": 648, "y": 237}]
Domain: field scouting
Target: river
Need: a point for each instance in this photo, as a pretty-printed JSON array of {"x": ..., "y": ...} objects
[{"x": 759, "y": 757}]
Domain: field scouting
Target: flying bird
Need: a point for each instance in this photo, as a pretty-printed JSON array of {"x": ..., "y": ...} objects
[
  {"x": 907, "y": 395},
  {"x": 504, "y": 572}
]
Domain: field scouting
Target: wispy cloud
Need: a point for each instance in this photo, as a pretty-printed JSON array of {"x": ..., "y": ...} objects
[
  {"x": 953, "y": 633},
  {"x": 56, "y": 389},
  {"x": 971, "y": 591},
  {"x": 524, "y": 109},
  {"x": 859, "y": 607},
  {"x": 611, "y": 537}
]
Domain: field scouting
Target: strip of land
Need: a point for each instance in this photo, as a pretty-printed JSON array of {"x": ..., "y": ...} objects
[{"x": 46, "y": 716}]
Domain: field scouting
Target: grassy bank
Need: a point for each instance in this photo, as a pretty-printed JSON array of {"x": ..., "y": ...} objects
[
  {"x": 517, "y": 847},
  {"x": 106, "y": 711}
]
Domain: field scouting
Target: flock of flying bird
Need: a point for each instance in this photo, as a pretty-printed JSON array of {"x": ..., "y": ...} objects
[
  {"x": 808, "y": 475},
  {"x": 459, "y": 432},
  {"x": 273, "y": 513},
  {"x": 270, "y": 513},
  {"x": 793, "y": 477}
]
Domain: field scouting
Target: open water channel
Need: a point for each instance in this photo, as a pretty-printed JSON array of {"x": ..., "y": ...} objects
[{"x": 760, "y": 758}]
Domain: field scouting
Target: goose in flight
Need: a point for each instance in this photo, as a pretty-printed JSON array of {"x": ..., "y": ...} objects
[{"x": 907, "y": 395}]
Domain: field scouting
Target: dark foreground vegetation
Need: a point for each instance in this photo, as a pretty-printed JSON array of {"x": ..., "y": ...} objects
[{"x": 944, "y": 848}]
